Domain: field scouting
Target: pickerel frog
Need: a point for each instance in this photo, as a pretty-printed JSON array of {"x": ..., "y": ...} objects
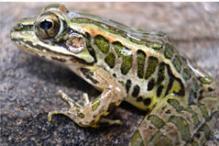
[{"x": 124, "y": 64}]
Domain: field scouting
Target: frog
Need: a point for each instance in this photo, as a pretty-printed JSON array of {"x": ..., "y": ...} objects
[{"x": 124, "y": 64}]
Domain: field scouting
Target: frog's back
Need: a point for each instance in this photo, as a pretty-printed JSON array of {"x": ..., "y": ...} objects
[{"x": 146, "y": 64}]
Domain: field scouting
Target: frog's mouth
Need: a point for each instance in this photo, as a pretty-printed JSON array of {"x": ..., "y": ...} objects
[{"x": 22, "y": 30}]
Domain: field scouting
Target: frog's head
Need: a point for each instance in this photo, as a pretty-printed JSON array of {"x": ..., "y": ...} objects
[{"x": 52, "y": 36}]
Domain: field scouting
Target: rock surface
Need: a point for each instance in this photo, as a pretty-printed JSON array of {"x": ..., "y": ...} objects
[{"x": 28, "y": 84}]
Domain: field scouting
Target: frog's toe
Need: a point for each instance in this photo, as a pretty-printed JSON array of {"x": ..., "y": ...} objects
[
  {"x": 86, "y": 99},
  {"x": 68, "y": 99},
  {"x": 111, "y": 122},
  {"x": 51, "y": 114},
  {"x": 67, "y": 113}
]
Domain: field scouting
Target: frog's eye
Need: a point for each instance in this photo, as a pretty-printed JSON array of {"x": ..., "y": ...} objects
[{"x": 47, "y": 26}]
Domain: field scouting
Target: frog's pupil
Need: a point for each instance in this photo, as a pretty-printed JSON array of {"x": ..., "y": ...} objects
[{"x": 46, "y": 25}]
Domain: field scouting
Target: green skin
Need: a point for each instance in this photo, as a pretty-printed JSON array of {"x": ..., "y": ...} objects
[{"x": 124, "y": 65}]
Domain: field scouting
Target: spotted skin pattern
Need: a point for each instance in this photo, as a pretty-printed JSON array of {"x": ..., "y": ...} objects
[
  {"x": 173, "y": 124},
  {"x": 124, "y": 64},
  {"x": 158, "y": 75}
]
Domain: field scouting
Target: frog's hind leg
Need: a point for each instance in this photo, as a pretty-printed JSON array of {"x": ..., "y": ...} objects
[
  {"x": 90, "y": 114},
  {"x": 172, "y": 123}
]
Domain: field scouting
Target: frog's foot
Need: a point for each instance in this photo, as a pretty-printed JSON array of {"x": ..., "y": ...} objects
[
  {"x": 67, "y": 99},
  {"x": 89, "y": 114}
]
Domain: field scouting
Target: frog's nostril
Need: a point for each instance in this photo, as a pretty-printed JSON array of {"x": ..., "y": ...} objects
[{"x": 18, "y": 27}]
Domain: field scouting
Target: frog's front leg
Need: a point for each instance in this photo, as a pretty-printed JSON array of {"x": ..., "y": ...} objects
[{"x": 90, "y": 114}]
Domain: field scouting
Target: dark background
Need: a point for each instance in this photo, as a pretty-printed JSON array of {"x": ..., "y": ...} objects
[{"x": 29, "y": 85}]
